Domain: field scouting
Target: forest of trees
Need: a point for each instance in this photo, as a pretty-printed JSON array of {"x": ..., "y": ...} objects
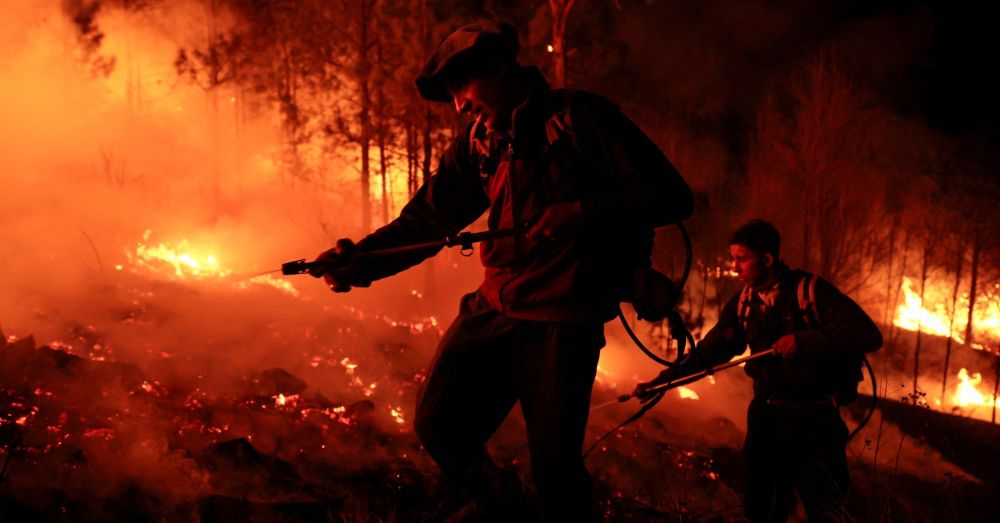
[{"x": 864, "y": 194}]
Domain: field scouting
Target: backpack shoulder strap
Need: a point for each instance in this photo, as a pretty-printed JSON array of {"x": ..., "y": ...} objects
[
  {"x": 743, "y": 309},
  {"x": 806, "y": 294}
]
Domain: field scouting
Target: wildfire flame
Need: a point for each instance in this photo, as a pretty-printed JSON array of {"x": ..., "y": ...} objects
[
  {"x": 185, "y": 261},
  {"x": 913, "y": 315},
  {"x": 182, "y": 261},
  {"x": 967, "y": 393}
]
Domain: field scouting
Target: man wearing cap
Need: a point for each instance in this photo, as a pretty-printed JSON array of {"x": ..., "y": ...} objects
[{"x": 589, "y": 187}]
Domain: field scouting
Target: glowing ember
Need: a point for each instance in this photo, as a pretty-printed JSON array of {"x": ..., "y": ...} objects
[
  {"x": 102, "y": 433},
  {"x": 397, "y": 414},
  {"x": 428, "y": 324},
  {"x": 282, "y": 285},
  {"x": 687, "y": 394},
  {"x": 281, "y": 400}
]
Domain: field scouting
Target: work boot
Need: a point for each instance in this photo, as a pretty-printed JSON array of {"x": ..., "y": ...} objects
[
  {"x": 484, "y": 494},
  {"x": 505, "y": 499},
  {"x": 453, "y": 506}
]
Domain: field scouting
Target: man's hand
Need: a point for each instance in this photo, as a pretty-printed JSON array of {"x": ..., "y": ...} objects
[
  {"x": 665, "y": 376},
  {"x": 558, "y": 222},
  {"x": 339, "y": 268},
  {"x": 785, "y": 347},
  {"x": 653, "y": 294}
]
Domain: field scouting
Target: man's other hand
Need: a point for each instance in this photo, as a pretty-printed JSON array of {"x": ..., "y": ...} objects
[
  {"x": 339, "y": 268},
  {"x": 653, "y": 294},
  {"x": 559, "y": 222},
  {"x": 785, "y": 347}
]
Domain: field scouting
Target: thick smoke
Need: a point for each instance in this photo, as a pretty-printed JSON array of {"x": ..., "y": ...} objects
[
  {"x": 102, "y": 143},
  {"x": 92, "y": 161}
]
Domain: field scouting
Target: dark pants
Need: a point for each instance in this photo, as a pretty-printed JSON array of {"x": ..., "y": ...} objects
[
  {"x": 795, "y": 449},
  {"x": 485, "y": 363}
]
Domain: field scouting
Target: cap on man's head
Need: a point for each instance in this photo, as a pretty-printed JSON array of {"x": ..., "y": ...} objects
[{"x": 470, "y": 46}]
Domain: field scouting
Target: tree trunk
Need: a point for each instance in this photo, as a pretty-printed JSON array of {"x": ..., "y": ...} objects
[
  {"x": 385, "y": 178},
  {"x": 996, "y": 388},
  {"x": 425, "y": 30},
  {"x": 214, "y": 79},
  {"x": 920, "y": 329},
  {"x": 364, "y": 113},
  {"x": 560, "y": 14},
  {"x": 889, "y": 313},
  {"x": 382, "y": 131},
  {"x": 287, "y": 92},
  {"x": 899, "y": 286},
  {"x": 411, "y": 160},
  {"x": 430, "y": 284},
  {"x": 951, "y": 316},
  {"x": 977, "y": 247}
]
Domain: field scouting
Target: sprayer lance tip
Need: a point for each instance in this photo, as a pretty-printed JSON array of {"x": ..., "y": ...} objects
[{"x": 295, "y": 267}]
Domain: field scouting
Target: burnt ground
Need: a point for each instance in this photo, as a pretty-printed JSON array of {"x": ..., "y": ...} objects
[{"x": 87, "y": 438}]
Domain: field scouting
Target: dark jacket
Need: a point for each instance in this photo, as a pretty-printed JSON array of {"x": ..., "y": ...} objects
[
  {"x": 829, "y": 352},
  {"x": 565, "y": 146}
]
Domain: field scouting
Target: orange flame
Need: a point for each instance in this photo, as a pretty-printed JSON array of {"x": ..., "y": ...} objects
[
  {"x": 181, "y": 261},
  {"x": 185, "y": 261},
  {"x": 967, "y": 393},
  {"x": 913, "y": 314},
  {"x": 687, "y": 394}
]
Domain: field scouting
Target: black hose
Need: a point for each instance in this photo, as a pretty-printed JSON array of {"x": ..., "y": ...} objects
[
  {"x": 642, "y": 411},
  {"x": 638, "y": 342},
  {"x": 677, "y": 328},
  {"x": 874, "y": 404}
]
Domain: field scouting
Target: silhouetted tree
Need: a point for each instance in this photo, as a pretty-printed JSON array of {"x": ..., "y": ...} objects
[{"x": 815, "y": 169}]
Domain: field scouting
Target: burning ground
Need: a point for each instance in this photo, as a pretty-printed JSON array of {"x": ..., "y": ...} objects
[{"x": 140, "y": 409}]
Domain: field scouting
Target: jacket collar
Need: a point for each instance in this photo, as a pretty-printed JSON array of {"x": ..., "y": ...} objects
[{"x": 529, "y": 116}]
